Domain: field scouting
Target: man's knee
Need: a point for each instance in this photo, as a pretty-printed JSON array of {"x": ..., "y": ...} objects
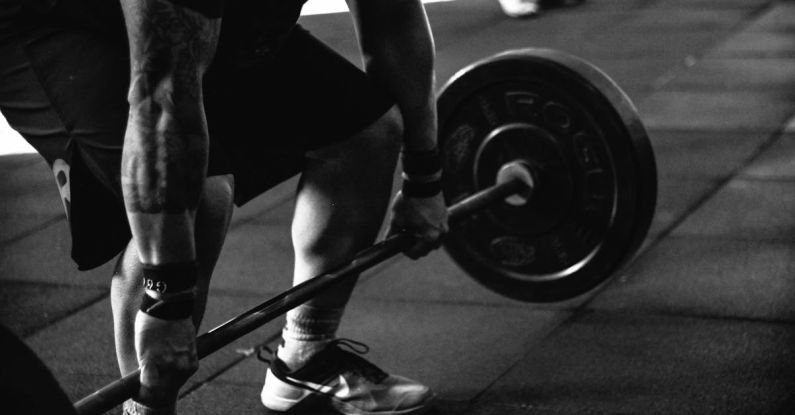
[
  {"x": 389, "y": 129},
  {"x": 212, "y": 220},
  {"x": 217, "y": 195},
  {"x": 382, "y": 137}
]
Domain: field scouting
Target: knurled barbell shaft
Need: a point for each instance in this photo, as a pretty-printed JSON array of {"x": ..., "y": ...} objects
[{"x": 120, "y": 390}]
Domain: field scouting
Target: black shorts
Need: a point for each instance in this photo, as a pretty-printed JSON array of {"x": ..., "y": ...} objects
[{"x": 63, "y": 87}]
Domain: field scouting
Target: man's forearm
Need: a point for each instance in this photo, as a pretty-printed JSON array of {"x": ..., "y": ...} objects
[
  {"x": 398, "y": 51},
  {"x": 165, "y": 150}
]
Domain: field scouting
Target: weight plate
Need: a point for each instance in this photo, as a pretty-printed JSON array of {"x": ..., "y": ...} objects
[{"x": 591, "y": 160}]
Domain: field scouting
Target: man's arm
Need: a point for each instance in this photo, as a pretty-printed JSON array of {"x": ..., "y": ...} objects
[
  {"x": 165, "y": 149},
  {"x": 164, "y": 162},
  {"x": 398, "y": 52}
]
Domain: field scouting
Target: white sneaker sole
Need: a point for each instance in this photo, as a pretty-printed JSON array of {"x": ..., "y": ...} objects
[
  {"x": 278, "y": 395},
  {"x": 281, "y": 396}
]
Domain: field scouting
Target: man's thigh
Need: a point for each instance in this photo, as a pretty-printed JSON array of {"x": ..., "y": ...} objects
[
  {"x": 268, "y": 114},
  {"x": 63, "y": 87},
  {"x": 63, "y": 90}
]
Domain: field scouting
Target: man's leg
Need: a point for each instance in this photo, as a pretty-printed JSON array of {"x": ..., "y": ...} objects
[
  {"x": 342, "y": 199},
  {"x": 212, "y": 222}
]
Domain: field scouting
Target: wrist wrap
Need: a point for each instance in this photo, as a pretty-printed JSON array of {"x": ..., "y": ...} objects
[
  {"x": 176, "y": 307},
  {"x": 422, "y": 173},
  {"x": 424, "y": 163},
  {"x": 170, "y": 278}
]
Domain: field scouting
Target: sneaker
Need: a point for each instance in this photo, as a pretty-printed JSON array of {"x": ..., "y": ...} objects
[
  {"x": 343, "y": 381},
  {"x": 520, "y": 8}
]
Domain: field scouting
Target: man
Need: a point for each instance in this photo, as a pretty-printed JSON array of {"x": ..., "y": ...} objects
[{"x": 221, "y": 91}]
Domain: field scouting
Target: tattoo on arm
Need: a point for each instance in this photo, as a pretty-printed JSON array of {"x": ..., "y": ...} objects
[{"x": 165, "y": 149}]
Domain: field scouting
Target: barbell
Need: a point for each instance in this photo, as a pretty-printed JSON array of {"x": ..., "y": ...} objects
[{"x": 551, "y": 182}]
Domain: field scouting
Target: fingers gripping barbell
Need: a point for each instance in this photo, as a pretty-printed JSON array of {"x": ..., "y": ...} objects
[{"x": 552, "y": 183}]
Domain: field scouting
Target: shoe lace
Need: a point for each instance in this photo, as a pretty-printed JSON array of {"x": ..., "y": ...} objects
[{"x": 352, "y": 360}]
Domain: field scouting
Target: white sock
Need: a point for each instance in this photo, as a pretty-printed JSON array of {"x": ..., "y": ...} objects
[{"x": 307, "y": 331}]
